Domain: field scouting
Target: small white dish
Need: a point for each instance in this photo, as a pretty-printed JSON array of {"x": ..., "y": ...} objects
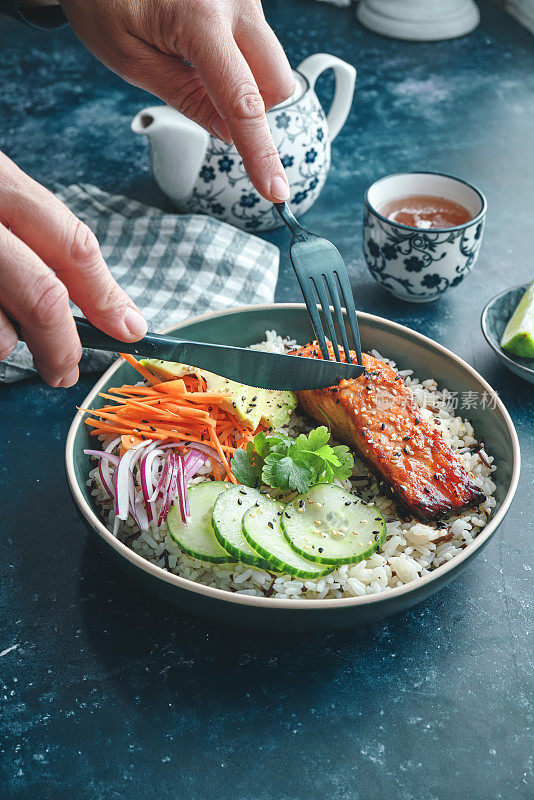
[
  {"x": 494, "y": 319},
  {"x": 419, "y": 20},
  {"x": 414, "y": 264}
]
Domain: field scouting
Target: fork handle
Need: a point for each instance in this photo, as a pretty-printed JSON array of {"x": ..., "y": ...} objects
[{"x": 297, "y": 231}]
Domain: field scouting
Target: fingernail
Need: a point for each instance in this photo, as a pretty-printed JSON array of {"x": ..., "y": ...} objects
[
  {"x": 135, "y": 322},
  {"x": 280, "y": 188},
  {"x": 69, "y": 379},
  {"x": 221, "y": 131}
]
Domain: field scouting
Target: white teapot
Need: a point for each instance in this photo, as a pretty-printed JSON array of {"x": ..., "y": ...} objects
[{"x": 202, "y": 175}]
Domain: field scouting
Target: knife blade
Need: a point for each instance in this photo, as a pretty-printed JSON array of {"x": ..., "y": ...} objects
[{"x": 251, "y": 367}]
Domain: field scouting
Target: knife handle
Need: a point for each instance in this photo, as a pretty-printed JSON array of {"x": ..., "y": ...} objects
[{"x": 152, "y": 345}]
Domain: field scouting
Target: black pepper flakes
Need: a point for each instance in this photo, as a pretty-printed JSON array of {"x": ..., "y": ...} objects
[{"x": 166, "y": 560}]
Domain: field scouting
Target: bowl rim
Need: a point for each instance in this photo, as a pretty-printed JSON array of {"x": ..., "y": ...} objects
[
  {"x": 481, "y": 214},
  {"x": 269, "y": 602},
  {"x": 510, "y": 362}
]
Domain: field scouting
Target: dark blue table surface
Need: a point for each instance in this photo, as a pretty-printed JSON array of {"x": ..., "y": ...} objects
[{"x": 106, "y": 692}]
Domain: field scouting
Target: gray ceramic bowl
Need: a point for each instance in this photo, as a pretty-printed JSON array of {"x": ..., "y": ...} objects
[
  {"x": 243, "y": 326},
  {"x": 493, "y": 322}
]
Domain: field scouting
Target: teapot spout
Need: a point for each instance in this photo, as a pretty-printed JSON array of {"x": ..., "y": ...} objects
[{"x": 177, "y": 147}]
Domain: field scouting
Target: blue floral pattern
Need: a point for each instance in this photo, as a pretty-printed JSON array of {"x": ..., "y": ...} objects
[
  {"x": 419, "y": 265},
  {"x": 249, "y": 200},
  {"x": 225, "y": 164},
  {"x": 282, "y": 120},
  {"x": 207, "y": 174}
]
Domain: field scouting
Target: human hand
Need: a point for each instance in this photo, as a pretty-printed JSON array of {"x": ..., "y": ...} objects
[
  {"x": 239, "y": 67},
  {"x": 37, "y": 233}
]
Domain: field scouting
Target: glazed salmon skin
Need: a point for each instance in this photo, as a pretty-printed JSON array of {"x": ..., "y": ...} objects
[{"x": 377, "y": 415}]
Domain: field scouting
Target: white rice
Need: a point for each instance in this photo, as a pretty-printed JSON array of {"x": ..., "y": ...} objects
[{"x": 411, "y": 548}]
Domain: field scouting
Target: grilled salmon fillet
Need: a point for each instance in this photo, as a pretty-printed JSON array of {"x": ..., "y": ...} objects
[{"x": 377, "y": 415}]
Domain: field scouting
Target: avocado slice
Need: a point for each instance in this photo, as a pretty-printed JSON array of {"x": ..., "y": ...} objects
[
  {"x": 277, "y": 408},
  {"x": 245, "y": 402}
]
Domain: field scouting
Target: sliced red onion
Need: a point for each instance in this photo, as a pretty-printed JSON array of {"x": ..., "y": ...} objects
[
  {"x": 102, "y": 454},
  {"x": 131, "y": 500},
  {"x": 105, "y": 477},
  {"x": 145, "y": 475},
  {"x": 192, "y": 463},
  {"x": 182, "y": 491},
  {"x": 162, "y": 480},
  {"x": 141, "y": 514},
  {"x": 170, "y": 490},
  {"x": 104, "y": 470},
  {"x": 116, "y": 496},
  {"x": 209, "y": 451},
  {"x": 122, "y": 480}
]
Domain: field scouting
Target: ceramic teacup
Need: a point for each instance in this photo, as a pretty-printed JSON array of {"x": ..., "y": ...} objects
[{"x": 414, "y": 264}]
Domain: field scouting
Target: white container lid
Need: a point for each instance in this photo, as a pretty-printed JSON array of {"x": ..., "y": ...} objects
[{"x": 419, "y": 20}]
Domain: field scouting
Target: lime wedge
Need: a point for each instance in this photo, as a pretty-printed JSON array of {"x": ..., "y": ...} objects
[{"x": 518, "y": 336}]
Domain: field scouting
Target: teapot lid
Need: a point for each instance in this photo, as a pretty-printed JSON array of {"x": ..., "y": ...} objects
[{"x": 301, "y": 87}]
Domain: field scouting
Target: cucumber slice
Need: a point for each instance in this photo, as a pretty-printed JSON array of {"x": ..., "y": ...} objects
[
  {"x": 227, "y": 517},
  {"x": 197, "y": 538},
  {"x": 262, "y": 530},
  {"x": 329, "y": 525}
]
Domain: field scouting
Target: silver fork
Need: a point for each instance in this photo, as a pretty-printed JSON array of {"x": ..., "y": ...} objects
[{"x": 322, "y": 272}]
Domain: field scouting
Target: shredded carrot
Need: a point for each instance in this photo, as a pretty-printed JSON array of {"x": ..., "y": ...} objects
[
  {"x": 173, "y": 410},
  {"x": 136, "y": 365},
  {"x": 216, "y": 469},
  {"x": 129, "y": 441}
]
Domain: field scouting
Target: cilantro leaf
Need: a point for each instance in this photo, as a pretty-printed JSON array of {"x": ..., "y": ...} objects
[
  {"x": 267, "y": 470},
  {"x": 261, "y": 445},
  {"x": 245, "y": 469},
  {"x": 287, "y": 474},
  {"x": 292, "y": 464},
  {"x": 318, "y": 438},
  {"x": 346, "y": 462}
]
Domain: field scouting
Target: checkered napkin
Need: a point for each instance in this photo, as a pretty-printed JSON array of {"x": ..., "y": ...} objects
[{"x": 172, "y": 266}]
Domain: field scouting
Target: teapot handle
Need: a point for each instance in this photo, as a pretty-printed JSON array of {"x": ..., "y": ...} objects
[{"x": 345, "y": 76}]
